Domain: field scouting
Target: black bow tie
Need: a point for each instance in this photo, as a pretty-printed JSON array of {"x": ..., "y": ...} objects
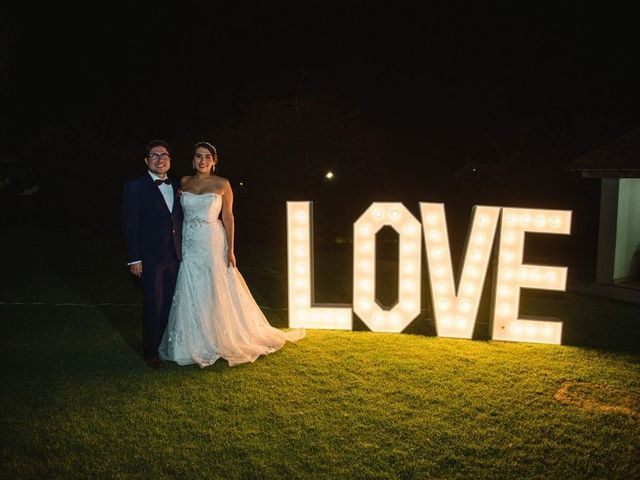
[{"x": 160, "y": 182}]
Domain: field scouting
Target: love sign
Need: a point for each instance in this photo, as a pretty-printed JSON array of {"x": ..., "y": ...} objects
[{"x": 455, "y": 308}]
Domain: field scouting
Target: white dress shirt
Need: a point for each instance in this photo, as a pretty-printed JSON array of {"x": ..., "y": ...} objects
[{"x": 166, "y": 190}]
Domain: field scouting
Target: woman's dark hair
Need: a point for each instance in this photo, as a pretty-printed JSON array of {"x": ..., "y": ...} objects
[
  {"x": 209, "y": 147},
  {"x": 156, "y": 143}
]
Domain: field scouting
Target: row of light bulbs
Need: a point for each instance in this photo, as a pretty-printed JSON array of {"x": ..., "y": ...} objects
[{"x": 455, "y": 310}]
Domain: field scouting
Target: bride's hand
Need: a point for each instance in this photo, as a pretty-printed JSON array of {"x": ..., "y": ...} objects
[{"x": 231, "y": 259}]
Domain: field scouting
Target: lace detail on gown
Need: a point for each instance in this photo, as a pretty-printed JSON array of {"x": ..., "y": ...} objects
[{"x": 213, "y": 313}]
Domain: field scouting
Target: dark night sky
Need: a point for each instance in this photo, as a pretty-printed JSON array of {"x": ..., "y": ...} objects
[
  {"x": 445, "y": 68},
  {"x": 518, "y": 91}
]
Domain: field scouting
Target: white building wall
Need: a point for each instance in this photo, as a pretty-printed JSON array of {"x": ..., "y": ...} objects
[{"x": 627, "y": 243}]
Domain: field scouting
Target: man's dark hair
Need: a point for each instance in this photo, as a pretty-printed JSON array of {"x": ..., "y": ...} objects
[{"x": 156, "y": 143}]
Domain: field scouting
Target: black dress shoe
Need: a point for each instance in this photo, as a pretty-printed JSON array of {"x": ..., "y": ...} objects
[{"x": 154, "y": 362}]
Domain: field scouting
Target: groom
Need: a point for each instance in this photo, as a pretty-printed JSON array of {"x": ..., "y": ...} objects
[{"x": 152, "y": 225}]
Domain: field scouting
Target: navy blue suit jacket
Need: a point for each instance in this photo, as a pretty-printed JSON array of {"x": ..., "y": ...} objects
[{"x": 152, "y": 233}]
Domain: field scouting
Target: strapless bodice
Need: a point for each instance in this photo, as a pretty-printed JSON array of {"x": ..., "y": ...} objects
[{"x": 201, "y": 208}]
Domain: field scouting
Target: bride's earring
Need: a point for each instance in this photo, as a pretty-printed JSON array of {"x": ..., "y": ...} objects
[{"x": 213, "y": 168}]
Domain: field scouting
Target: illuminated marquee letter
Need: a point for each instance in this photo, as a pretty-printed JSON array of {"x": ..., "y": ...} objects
[
  {"x": 302, "y": 310},
  {"x": 364, "y": 266},
  {"x": 455, "y": 311},
  {"x": 511, "y": 275}
]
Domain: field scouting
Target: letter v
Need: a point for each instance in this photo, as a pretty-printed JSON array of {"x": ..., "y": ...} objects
[{"x": 455, "y": 311}]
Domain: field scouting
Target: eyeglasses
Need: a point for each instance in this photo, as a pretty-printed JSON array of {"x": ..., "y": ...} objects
[{"x": 159, "y": 156}]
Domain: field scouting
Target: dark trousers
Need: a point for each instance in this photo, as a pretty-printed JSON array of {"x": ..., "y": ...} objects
[{"x": 158, "y": 285}]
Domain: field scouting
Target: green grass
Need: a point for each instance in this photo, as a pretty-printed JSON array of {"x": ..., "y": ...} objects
[{"x": 77, "y": 400}]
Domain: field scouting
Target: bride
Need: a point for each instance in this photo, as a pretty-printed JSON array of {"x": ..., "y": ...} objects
[{"x": 213, "y": 314}]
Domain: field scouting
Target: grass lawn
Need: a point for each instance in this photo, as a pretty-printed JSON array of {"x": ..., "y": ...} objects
[{"x": 77, "y": 400}]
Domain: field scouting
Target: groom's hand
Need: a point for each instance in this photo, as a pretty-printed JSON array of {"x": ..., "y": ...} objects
[{"x": 136, "y": 269}]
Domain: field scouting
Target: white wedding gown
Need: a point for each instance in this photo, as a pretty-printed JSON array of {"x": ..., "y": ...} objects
[{"x": 213, "y": 314}]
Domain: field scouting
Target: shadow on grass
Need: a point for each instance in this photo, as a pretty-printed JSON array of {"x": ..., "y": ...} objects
[
  {"x": 127, "y": 321},
  {"x": 93, "y": 271},
  {"x": 601, "y": 324}
]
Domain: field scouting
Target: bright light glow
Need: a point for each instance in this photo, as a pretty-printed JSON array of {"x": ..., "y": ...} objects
[
  {"x": 512, "y": 275},
  {"x": 464, "y": 305},
  {"x": 300, "y": 233},
  {"x": 366, "y": 247},
  {"x": 301, "y": 268},
  {"x": 364, "y": 265},
  {"x": 301, "y": 217},
  {"x": 445, "y": 297},
  {"x": 409, "y": 286},
  {"x": 409, "y": 248},
  {"x": 484, "y": 221},
  {"x": 409, "y": 267},
  {"x": 409, "y": 305},
  {"x": 364, "y": 304},
  {"x": 504, "y": 291},
  {"x": 365, "y": 285},
  {"x": 507, "y": 256},
  {"x": 480, "y": 238},
  {"x": 506, "y": 274},
  {"x": 378, "y": 215},
  {"x": 440, "y": 271},
  {"x": 365, "y": 229},
  {"x": 444, "y": 304},
  {"x": 410, "y": 229},
  {"x": 329, "y": 175},
  {"x": 473, "y": 272},
  {"x": 455, "y": 309},
  {"x": 434, "y": 235},
  {"x": 303, "y": 312}
]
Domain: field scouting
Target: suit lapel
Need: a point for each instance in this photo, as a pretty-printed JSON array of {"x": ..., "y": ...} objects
[{"x": 157, "y": 194}]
